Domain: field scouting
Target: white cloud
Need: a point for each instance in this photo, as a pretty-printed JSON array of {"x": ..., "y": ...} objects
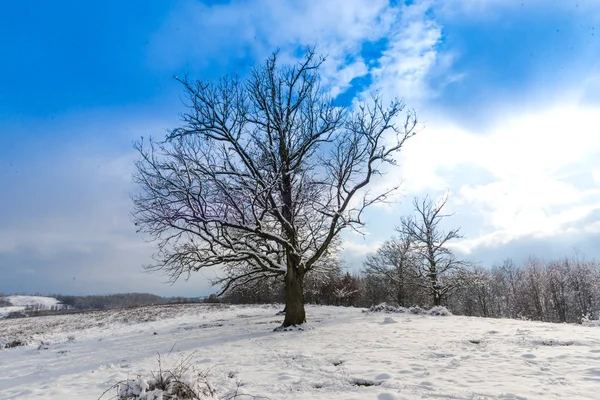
[
  {"x": 356, "y": 249},
  {"x": 527, "y": 156},
  {"x": 339, "y": 28},
  {"x": 406, "y": 65},
  {"x": 256, "y": 28}
]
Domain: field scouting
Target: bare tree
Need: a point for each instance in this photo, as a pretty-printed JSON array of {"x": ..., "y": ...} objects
[
  {"x": 262, "y": 175},
  {"x": 439, "y": 268},
  {"x": 396, "y": 264},
  {"x": 584, "y": 282},
  {"x": 476, "y": 296},
  {"x": 346, "y": 291},
  {"x": 558, "y": 288}
]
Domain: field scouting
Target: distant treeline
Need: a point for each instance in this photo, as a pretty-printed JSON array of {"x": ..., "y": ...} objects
[
  {"x": 121, "y": 300},
  {"x": 561, "y": 290},
  {"x": 71, "y": 304}
]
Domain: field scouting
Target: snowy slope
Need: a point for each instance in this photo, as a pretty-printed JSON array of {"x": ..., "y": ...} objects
[
  {"x": 46, "y": 302},
  {"x": 20, "y": 303},
  {"x": 401, "y": 356}
]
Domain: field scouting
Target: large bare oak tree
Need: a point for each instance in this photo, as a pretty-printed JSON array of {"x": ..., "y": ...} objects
[{"x": 262, "y": 175}]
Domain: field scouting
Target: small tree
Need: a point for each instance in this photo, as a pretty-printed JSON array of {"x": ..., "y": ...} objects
[
  {"x": 373, "y": 290},
  {"x": 476, "y": 296},
  {"x": 438, "y": 267},
  {"x": 320, "y": 283},
  {"x": 396, "y": 264},
  {"x": 346, "y": 290},
  {"x": 212, "y": 299},
  {"x": 263, "y": 175}
]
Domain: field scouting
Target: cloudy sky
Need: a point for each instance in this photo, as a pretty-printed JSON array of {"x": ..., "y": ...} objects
[{"x": 507, "y": 93}]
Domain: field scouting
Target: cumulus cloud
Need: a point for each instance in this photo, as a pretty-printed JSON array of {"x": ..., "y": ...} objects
[
  {"x": 406, "y": 65},
  {"x": 340, "y": 29},
  {"x": 534, "y": 176},
  {"x": 531, "y": 159},
  {"x": 357, "y": 249}
]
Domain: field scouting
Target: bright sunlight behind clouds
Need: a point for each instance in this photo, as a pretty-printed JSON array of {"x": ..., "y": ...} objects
[{"x": 507, "y": 93}]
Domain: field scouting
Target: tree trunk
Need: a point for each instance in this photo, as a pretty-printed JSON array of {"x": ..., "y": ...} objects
[
  {"x": 294, "y": 298},
  {"x": 400, "y": 298},
  {"x": 437, "y": 298}
]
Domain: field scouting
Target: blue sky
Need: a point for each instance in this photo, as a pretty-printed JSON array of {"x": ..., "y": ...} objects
[{"x": 507, "y": 93}]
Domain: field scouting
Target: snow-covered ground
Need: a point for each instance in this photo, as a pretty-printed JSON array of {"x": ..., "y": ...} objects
[
  {"x": 20, "y": 303},
  {"x": 401, "y": 356}
]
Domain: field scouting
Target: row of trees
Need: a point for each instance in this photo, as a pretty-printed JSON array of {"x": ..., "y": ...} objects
[
  {"x": 564, "y": 290},
  {"x": 418, "y": 267},
  {"x": 105, "y": 302}
]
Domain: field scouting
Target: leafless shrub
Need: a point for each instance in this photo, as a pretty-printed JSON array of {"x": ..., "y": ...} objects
[{"x": 180, "y": 382}]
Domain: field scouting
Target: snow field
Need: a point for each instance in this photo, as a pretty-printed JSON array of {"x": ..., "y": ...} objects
[
  {"x": 20, "y": 303},
  {"x": 24, "y": 301},
  {"x": 348, "y": 354}
]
